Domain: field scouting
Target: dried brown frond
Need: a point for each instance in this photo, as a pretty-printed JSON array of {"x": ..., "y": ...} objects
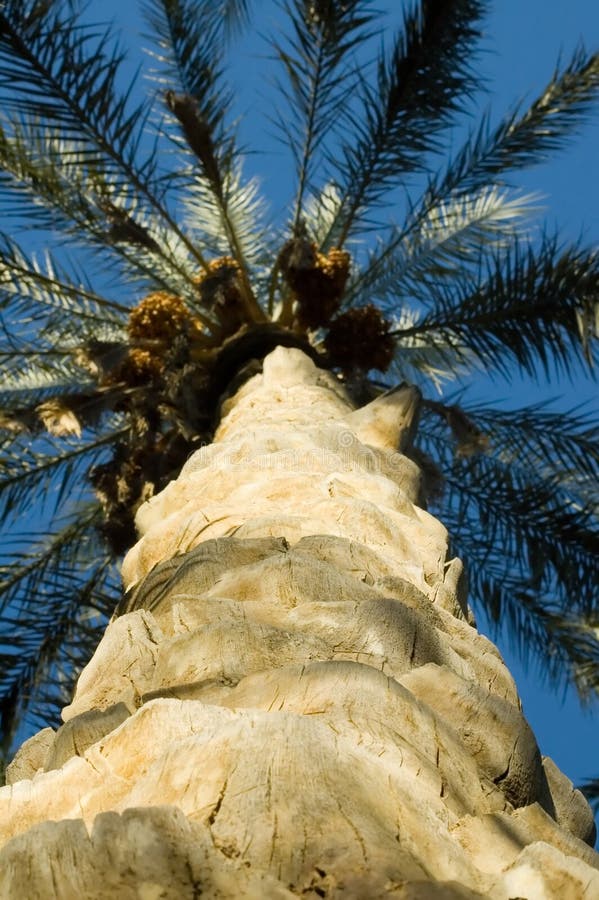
[
  {"x": 101, "y": 358},
  {"x": 196, "y": 130},
  {"x": 468, "y": 436},
  {"x": 58, "y": 418},
  {"x": 220, "y": 290},
  {"x": 17, "y": 420},
  {"x": 470, "y": 439}
]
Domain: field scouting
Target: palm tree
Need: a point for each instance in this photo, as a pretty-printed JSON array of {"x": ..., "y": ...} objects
[{"x": 394, "y": 261}]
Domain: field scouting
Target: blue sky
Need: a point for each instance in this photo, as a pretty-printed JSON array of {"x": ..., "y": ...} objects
[{"x": 522, "y": 43}]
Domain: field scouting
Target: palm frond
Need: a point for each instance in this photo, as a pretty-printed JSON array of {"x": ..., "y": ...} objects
[
  {"x": 64, "y": 598},
  {"x": 28, "y": 280},
  {"x": 216, "y": 178},
  {"x": 451, "y": 235},
  {"x": 43, "y": 178},
  {"x": 419, "y": 89},
  {"x": 526, "y": 488},
  {"x": 28, "y": 470},
  {"x": 32, "y": 380},
  {"x": 52, "y": 183},
  {"x": 558, "y": 536},
  {"x": 564, "y": 444},
  {"x": 191, "y": 49},
  {"x": 320, "y": 78},
  {"x": 321, "y": 210},
  {"x": 236, "y": 14},
  {"x": 60, "y": 72},
  {"x": 425, "y": 362},
  {"x": 526, "y": 309},
  {"x": 561, "y": 645},
  {"x": 54, "y": 69},
  {"x": 523, "y": 139},
  {"x": 190, "y": 53},
  {"x": 246, "y": 212},
  {"x": 24, "y": 573}
]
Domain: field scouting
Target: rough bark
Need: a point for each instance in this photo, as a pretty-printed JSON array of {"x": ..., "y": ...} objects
[{"x": 292, "y": 699}]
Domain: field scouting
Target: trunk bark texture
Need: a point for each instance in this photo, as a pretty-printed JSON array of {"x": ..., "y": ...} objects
[{"x": 292, "y": 699}]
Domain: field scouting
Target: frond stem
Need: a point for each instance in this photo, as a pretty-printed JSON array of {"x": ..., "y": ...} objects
[{"x": 309, "y": 137}]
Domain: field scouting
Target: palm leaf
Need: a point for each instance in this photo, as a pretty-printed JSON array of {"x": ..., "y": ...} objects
[
  {"x": 320, "y": 78},
  {"x": 522, "y": 139},
  {"x": 526, "y": 488},
  {"x": 53, "y": 183},
  {"x": 526, "y": 138},
  {"x": 32, "y": 380},
  {"x": 419, "y": 89},
  {"x": 64, "y": 601},
  {"x": 525, "y": 310},
  {"x": 561, "y": 645},
  {"x": 246, "y": 213},
  {"x": 559, "y": 443},
  {"x": 451, "y": 235},
  {"x": 191, "y": 50},
  {"x": 58, "y": 71},
  {"x": 50, "y": 470},
  {"x": 25, "y": 281},
  {"x": 235, "y": 13}
]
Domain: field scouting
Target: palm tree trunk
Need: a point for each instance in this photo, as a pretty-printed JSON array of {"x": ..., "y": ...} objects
[{"x": 292, "y": 699}]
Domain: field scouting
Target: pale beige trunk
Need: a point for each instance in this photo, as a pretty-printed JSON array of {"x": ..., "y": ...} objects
[{"x": 297, "y": 706}]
